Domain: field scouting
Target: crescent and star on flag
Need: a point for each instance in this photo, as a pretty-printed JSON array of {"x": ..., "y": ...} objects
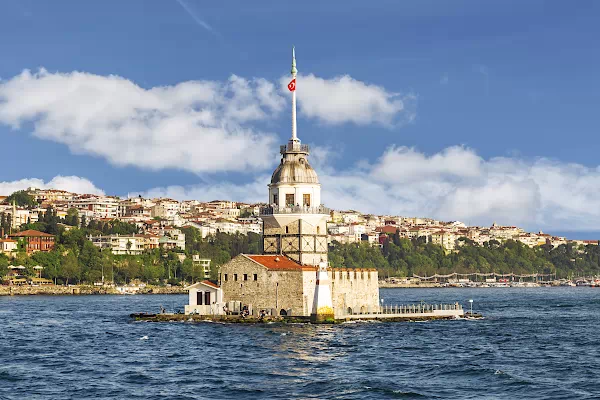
[{"x": 292, "y": 84}]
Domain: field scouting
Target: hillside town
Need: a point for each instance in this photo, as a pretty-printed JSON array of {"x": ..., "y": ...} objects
[{"x": 160, "y": 220}]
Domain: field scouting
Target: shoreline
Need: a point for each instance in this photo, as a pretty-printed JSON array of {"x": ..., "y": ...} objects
[
  {"x": 52, "y": 290},
  {"x": 83, "y": 290}
]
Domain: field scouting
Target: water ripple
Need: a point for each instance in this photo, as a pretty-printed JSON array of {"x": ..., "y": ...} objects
[{"x": 538, "y": 343}]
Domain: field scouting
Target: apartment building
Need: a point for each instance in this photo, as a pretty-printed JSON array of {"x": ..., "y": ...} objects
[{"x": 99, "y": 206}]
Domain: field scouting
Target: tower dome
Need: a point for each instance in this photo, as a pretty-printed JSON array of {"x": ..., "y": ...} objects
[{"x": 294, "y": 168}]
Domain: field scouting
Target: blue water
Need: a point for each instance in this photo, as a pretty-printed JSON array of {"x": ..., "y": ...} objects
[{"x": 533, "y": 343}]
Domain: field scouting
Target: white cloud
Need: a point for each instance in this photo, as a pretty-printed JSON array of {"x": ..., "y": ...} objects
[
  {"x": 456, "y": 183},
  {"x": 197, "y": 126},
  {"x": 344, "y": 99},
  {"x": 73, "y": 184}
]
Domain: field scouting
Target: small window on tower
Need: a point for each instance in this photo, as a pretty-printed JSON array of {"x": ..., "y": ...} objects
[
  {"x": 289, "y": 200},
  {"x": 306, "y": 199},
  {"x": 275, "y": 199},
  {"x": 245, "y": 277},
  {"x": 255, "y": 277}
]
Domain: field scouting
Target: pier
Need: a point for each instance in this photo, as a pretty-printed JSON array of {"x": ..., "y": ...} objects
[{"x": 389, "y": 313}]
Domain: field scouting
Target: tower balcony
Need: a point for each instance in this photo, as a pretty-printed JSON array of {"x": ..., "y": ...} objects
[
  {"x": 294, "y": 147},
  {"x": 274, "y": 210}
]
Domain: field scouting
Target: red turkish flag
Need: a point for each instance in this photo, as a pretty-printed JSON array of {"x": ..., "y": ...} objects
[{"x": 292, "y": 85}]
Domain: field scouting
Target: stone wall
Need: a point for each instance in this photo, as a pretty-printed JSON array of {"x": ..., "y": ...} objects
[
  {"x": 281, "y": 290},
  {"x": 357, "y": 289}
]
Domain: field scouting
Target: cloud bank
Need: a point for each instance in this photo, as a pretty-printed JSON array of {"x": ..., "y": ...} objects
[
  {"x": 458, "y": 184},
  {"x": 454, "y": 184},
  {"x": 197, "y": 126},
  {"x": 73, "y": 184}
]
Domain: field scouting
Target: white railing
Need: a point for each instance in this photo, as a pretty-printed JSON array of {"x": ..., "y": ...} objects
[
  {"x": 270, "y": 210},
  {"x": 291, "y": 147}
]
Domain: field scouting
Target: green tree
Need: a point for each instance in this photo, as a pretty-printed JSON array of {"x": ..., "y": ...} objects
[
  {"x": 3, "y": 265},
  {"x": 72, "y": 217},
  {"x": 70, "y": 268},
  {"x": 21, "y": 199}
]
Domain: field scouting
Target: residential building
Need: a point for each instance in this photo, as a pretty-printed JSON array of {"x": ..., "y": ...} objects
[
  {"x": 32, "y": 240},
  {"x": 203, "y": 264},
  {"x": 8, "y": 246},
  {"x": 49, "y": 195},
  {"x": 172, "y": 238},
  {"x": 98, "y": 206},
  {"x": 445, "y": 239},
  {"x": 121, "y": 244},
  {"x": 165, "y": 208}
]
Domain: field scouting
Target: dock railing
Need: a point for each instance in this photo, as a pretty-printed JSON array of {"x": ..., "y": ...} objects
[{"x": 418, "y": 308}]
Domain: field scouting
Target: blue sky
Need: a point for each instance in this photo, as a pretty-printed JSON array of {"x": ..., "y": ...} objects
[{"x": 514, "y": 84}]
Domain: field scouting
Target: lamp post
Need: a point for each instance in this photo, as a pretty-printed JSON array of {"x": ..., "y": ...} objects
[{"x": 471, "y": 301}]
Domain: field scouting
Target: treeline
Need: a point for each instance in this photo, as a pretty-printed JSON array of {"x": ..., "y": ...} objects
[
  {"x": 76, "y": 260},
  {"x": 221, "y": 247},
  {"x": 405, "y": 257}
]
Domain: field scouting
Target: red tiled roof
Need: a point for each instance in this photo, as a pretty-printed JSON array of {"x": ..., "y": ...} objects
[
  {"x": 279, "y": 262},
  {"x": 30, "y": 233},
  {"x": 209, "y": 283},
  {"x": 8, "y": 241},
  {"x": 386, "y": 229}
]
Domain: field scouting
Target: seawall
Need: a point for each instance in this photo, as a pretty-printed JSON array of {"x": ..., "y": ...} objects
[{"x": 55, "y": 290}]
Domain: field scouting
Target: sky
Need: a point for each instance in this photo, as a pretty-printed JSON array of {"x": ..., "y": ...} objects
[{"x": 478, "y": 111}]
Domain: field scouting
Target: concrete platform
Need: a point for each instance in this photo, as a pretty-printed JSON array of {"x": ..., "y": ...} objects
[
  {"x": 387, "y": 317},
  {"x": 409, "y": 316}
]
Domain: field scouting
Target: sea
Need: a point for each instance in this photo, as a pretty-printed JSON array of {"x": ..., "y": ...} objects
[{"x": 533, "y": 343}]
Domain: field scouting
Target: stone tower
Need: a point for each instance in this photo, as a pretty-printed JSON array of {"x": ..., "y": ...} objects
[{"x": 295, "y": 222}]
